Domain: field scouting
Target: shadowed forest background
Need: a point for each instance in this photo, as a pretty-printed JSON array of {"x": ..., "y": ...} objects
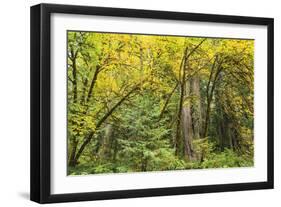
[{"x": 152, "y": 103}]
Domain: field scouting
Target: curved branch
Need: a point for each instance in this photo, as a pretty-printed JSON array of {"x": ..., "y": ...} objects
[
  {"x": 101, "y": 121},
  {"x": 167, "y": 101}
]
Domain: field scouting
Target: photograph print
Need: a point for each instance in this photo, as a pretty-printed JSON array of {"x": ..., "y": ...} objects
[{"x": 140, "y": 103}]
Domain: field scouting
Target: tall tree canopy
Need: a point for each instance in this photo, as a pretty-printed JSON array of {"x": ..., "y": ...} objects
[{"x": 144, "y": 103}]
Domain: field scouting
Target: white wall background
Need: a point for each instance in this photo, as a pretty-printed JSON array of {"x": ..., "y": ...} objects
[{"x": 14, "y": 101}]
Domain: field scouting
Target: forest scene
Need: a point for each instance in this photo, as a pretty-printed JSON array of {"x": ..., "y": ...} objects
[{"x": 138, "y": 103}]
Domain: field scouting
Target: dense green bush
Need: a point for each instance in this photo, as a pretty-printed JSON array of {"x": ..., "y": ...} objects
[{"x": 227, "y": 158}]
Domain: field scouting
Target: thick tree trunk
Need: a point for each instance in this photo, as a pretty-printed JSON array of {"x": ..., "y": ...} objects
[
  {"x": 187, "y": 132},
  {"x": 196, "y": 106}
]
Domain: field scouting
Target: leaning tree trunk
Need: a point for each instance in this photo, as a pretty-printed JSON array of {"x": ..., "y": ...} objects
[{"x": 71, "y": 160}]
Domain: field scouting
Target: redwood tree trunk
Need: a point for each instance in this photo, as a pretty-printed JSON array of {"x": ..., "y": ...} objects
[
  {"x": 187, "y": 130},
  {"x": 196, "y": 106}
]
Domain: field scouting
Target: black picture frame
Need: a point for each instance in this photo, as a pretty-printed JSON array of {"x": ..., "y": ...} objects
[{"x": 41, "y": 96}]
